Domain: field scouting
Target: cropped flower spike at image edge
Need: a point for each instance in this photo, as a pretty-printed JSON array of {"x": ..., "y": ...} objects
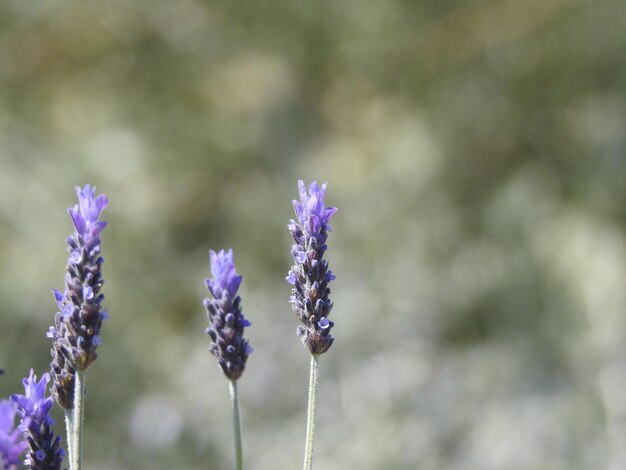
[
  {"x": 310, "y": 275},
  {"x": 44, "y": 450},
  {"x": 12, "y": 444}
]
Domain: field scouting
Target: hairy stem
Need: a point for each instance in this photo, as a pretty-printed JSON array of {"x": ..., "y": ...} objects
[
  {"x": 310, "y": 418},
  {"x": 77, "y": 427},
  {"x": 69, "y": 430},
  {"x": 234, "y": 404}
]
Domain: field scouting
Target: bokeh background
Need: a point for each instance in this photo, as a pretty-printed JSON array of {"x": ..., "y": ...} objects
[{"x": 476, "y": 151}]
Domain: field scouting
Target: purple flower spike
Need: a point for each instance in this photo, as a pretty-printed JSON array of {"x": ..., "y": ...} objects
[
  {"x": 12, "y": 445},
  {"x": 43, "y": 451},
  {"x": 224, "y": 311},
  {"x": 309, "y": 274},
  {"x": 76, "y": 331}
]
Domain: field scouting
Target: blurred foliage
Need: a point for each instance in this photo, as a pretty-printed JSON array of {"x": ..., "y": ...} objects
[{"x": 477, "y": 153}]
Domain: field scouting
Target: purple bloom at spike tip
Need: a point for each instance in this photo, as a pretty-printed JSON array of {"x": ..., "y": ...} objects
[
  {"x": 310, "y": 210},
  {"x": 309, "y": 274},
  {"x": 224, "y": 312},
  {"x": 224, "y": 276},
  {"x": 12, "y": 444},
  {"x": 85, "y": 214},
  {"x": 34, "y": 404},
  {"x": 43, "y": 450},
  {"x": 77, "y": 323}
]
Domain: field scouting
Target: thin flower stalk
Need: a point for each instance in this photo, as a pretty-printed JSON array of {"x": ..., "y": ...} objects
[
  {"x": 227, "y": 324},
  {"x": 310, "y": 416},
  {"x": 234, "y": 406}
]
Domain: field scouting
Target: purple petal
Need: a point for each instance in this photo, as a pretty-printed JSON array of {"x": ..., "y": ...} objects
[
  {"x": 302, "y": 191},
  {"x": 87, "y": 293},
  {"x": 327, "y": 213},
  {"x": 300, "y": 211},
  {"x": 77, "y": 218},
  {"x": 58, "y": 297},
  {"x": 75, "y": 256},
  {"x": 101, "y": 203},
  {"x": 21, "y": 400},
  {"x": 299, "y": 255},
  {"x": 234, "y": 283},
  {"x": 324, "y": 323}
]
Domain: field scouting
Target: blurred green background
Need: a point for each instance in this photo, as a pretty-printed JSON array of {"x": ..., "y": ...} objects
[{"x": 477, "y": 154}]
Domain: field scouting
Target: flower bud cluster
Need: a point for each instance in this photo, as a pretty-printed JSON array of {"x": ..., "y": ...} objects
[
  {"x": 309, "y": 274},
  {"x": 224, "y": 311}
]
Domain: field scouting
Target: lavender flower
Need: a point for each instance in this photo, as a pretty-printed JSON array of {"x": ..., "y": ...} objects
[
  {"x": 12, "y": 444},
  {"x": 310, "y": 274},
  {"x": 224, "y": 311},
  {"x": 76, "y": 330},
  {"x": 44, "y": 450}
]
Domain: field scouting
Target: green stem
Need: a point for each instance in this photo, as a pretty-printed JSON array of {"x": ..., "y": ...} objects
[
  {"x": 69, "y": 427},
  {"x": 234, "y": 404},
  {"x": 310, "y": 418},
  {"x": 79, "y": 413}
]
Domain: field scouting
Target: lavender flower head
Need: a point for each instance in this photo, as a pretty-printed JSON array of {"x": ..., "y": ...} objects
[
  {"x": 12, "y": 444},
  {"x": 76, "y": 330},
  {"x": 224, "y": 311},
  {"x": 310, "y": 274},
  {"x": 44, "y": 450}
]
